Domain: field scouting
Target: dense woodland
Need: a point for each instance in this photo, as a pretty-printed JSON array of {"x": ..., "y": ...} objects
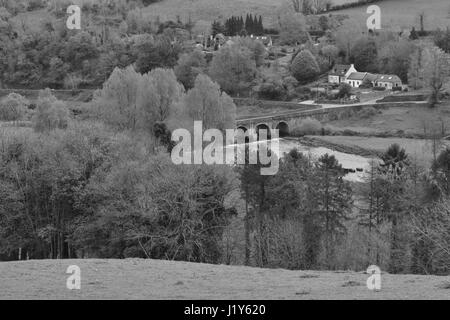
[{"x": 102, "y": 183}]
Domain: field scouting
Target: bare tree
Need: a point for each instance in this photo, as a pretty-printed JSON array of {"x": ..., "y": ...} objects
[
  {"x": 297, "y": 5},
  {"x": 433, "y": 226},
  {"x": 436, "y": 72}
]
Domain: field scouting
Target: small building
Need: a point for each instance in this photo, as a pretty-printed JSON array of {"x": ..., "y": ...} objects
[
  {"x": 340, "y": 73},
  {"x": 266, "y": 40},
  {"x": 388, "y": 81},
  {"x": 355, "y": 79},
  {"x": 220, "y": 38}
]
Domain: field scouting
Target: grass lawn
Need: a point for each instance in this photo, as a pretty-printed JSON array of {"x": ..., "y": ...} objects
[{"x": 152, "y": 279}]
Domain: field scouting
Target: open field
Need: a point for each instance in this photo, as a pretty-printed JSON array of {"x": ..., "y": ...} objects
[
  {"x": 152, "y": 279},
  {"x": 418, "y": 149},
  {"x": 403, "y": 14},
  {"x": 203, "y": 12},
  {"x": 395, "y": 13},
  {"x": 412, "y": 119}
]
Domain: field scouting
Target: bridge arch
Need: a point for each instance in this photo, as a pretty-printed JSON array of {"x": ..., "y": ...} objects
[
  {"x": 246, "y": 132},
  {"x": 263, "y": 126},
  {"x": 283, "y": 128}
]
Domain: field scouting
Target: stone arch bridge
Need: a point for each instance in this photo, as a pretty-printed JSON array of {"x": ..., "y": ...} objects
[{"x": 284, "y": 121}]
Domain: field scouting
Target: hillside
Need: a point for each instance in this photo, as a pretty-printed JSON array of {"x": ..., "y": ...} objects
[
  {"x": 203, "y": 12},
  {"x": 151, "y": 279},
  {"x": 404, "y": 14},
  {"x": 395, "y": 13}
]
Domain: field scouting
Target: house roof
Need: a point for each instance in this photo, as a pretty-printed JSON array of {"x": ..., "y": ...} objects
[
  {"x": 372, "y": 77},
  {"x": 339, "y": 70},
  {"x": 357, "y": 76},
  {"x": 388, "y": 78}
]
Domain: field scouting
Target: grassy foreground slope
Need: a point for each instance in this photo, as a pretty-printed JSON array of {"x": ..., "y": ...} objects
[{"x": 151, "y": 279}]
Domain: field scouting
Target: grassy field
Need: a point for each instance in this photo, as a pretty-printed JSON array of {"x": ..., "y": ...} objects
[
  {"x": 395, "y": 13},
  {"x": 151, "y": 279},
  {"x": 412, "y": 119},
  {"x": 404, "y": 14},
  {"x": 418, "y": 149},
  {"x": 203, "y": 12}
]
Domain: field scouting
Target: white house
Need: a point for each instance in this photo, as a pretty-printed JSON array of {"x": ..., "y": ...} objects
[
  {"x": 355, "y": 79},
  {"x": 389, "y": 81},
  {"x": 340, "y": 72}
]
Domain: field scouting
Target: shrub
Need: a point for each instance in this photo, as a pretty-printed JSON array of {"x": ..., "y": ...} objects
[
  {"x": 303, "y": 90},
  {"x": 189, "y": 66},
  {"x": 348, "y": 132},
  {"x": 13, "y": 107},
  {"x": 308, "y": 126},
  {"x": 379, "y": 88},
  {"x": 290, "y": 83},
  {"x": 272, "y": 89},
  {"x": 344, "y": 90},
  {"x": 346, "y": 114},
  {"x": 50, "y": 115},
  {"x": 332, "y": 116},
  {"x": 366, "y": 84},
  {"x": 397, "y": 89},
  {"x": 36, "y": 5},
  {"x": 304, "y": 67},
  {"x": 367, "y": 112}
]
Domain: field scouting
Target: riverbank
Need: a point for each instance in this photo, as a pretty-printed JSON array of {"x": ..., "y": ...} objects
[
  {"x": 420, "y": 150},
  {"x": 317, "y": 142}
]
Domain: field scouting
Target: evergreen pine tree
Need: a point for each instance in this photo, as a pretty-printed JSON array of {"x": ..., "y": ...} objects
[
  {"x": 255, "y": 26},
  {"x": 247, "y": 23},
  {"x": 260, "y": 26}
]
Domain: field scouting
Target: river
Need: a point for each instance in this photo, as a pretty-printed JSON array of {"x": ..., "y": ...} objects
[{"x": 357, "y": 166}]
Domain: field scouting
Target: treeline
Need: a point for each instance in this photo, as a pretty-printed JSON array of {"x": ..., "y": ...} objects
[
  {"x": 308, "y": 217},
  {"x": 104, "y": 185},
  {"x": 237, "y": 26},
  {"x": 53, "y": 56}
]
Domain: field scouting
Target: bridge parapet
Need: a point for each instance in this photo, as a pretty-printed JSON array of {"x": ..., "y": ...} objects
[{"x": 270, "y": 104}]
